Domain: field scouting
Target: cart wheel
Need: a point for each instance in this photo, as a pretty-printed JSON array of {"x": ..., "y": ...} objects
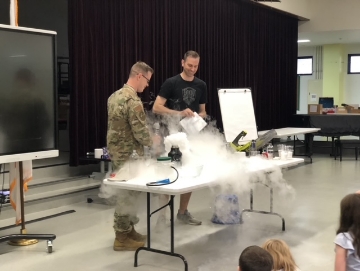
[{"x": 49, "y": 246}]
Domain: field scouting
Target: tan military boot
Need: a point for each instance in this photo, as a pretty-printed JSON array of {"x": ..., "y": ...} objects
[
  {"x": 137, "y": 236},
  {"x": 124, "y": 243}
]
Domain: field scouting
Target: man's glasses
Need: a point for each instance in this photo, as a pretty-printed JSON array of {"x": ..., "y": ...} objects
[{"x": 147, "y": 79}]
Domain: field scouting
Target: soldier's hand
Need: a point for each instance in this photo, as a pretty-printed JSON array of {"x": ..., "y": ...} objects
[{"x": 187, "y": 113}]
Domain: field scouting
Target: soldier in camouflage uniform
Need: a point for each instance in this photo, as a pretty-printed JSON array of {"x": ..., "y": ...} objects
[{"x": 127, "y": 131}]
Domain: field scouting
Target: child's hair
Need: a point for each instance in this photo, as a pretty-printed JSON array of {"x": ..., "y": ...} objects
[
  {"x": 350, "y": 218},
  {"x": 254, "y": 258},
  {"x": 281, "y": 254}
]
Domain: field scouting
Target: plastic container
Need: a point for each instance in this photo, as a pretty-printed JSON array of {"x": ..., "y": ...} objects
[
  {"x": 158, "y": 146},
  {"x": 283, "y": 154},
  {"x": 147, "y": 155},
  {"x": 163, "y": 168},
  {"x": 164, "y": 161},
  {"x": 253, "y": 145},
  {"x": 134, "y": 164},
  {"x": 290, "y": 151}
]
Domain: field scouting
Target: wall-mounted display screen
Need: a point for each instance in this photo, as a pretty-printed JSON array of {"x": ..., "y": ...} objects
[{"x": 27, "y": 90}]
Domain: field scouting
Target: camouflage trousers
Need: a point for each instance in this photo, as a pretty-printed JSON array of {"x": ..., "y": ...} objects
[{"x": 125, "y": 215}]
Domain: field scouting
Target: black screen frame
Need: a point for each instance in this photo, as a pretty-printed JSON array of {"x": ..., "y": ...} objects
[
  {"x": 53, "y": 36},
  {"x": 326, "y": 100}
]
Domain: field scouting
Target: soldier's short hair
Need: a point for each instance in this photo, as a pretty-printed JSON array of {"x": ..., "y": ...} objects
[
  {"x": 140, "y": 67},
  {"x": 191, "y": 54}
]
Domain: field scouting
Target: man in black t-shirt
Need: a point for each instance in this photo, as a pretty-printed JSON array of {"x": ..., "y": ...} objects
[{"x": 183, "y": 95}]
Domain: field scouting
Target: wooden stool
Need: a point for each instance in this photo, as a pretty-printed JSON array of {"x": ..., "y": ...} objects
[{"x": 346, "y": 144}]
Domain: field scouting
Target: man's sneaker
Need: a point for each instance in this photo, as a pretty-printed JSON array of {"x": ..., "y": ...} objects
[
  {"x": 160, "y": 224},
  {"x": 187, "y": 218}
]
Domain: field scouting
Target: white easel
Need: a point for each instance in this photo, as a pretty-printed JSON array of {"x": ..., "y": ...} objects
[{"x": 237, "y": 113}]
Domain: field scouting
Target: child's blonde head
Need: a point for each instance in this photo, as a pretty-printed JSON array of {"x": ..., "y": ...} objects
[{"x": 281, "y": 254}]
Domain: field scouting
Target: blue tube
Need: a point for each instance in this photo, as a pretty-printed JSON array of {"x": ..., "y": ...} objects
[{"x": 165, "y": 181}]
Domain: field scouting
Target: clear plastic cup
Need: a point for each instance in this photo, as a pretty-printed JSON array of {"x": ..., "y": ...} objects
[
  {"x": 290, "y": 151},
  {"x": 281, "y": 147},
  {"x": 283, "y": 154}
]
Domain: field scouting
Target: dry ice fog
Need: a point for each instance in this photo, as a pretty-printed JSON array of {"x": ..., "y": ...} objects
[{"x": 205, "y": 153}]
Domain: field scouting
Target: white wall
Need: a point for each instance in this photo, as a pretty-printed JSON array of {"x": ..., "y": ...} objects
[
  {"x": 351, "y": 82},
  {"x": 331, "y": 15},
  {"x": 297, "y": 7},
  {"x": 324, "y": 15}
]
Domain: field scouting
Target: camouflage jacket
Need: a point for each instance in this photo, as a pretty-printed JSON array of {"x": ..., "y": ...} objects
[{"x": 127, "y": 130}]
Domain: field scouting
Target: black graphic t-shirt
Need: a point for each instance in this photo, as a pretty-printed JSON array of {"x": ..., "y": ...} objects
[{"x": 181, "y": 94}]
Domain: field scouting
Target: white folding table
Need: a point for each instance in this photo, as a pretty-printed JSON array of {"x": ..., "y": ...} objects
[
  {"x": 294, "y": 131},
  {"x": 182, "y": 186}
]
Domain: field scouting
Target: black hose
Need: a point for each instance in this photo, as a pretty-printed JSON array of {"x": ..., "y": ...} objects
[{"x": 159, "y": 183}]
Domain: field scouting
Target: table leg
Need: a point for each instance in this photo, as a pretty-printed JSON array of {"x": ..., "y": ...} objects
[
  {"x": 309, "y": 139},
  {"x": 172, "y": 221},
  {"x": 148, "y": 221},
  {"x": 172, "y": 242},
  {"x": 109, "y": 169},
  {"x": 294, "y": 145},
  {"x": 308, "y": 142},
  {"x": 102, "y": 166},
  {"x": 333, "y": 147},
  {"x": 251, "y": 210},
  {"x": 102, "y": 174}
]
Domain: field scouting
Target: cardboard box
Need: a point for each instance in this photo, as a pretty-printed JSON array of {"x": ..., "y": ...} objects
[
  {"x": 355, "y": 111},
  {"x": 349, "y": 108},
  {"x": 315, "y": 109},
  {"x": 341, "y": 110}
]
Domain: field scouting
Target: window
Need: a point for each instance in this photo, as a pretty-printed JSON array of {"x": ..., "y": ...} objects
[
  {"x": 354, "y": 64},
  {"x": 305, "y": 65}
]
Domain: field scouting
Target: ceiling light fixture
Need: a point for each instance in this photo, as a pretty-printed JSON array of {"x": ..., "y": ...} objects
[{"x": 300, "y": 41}]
